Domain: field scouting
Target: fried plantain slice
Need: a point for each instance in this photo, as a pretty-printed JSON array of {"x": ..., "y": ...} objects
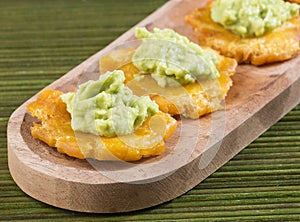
[
  {"x": 294, "y": 1},
  {"x": 204, "y": 96},
  {"x": 280, "y": 44},
  {"x": 55, "y": 130},
  {"x": 191, "y": 101}
]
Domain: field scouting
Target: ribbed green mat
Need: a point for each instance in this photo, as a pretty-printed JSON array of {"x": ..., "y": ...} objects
[{"x": 42, "y": 40}]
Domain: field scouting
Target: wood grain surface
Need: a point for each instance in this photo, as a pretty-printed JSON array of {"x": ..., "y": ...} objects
[{"x": 260, "y": 97}]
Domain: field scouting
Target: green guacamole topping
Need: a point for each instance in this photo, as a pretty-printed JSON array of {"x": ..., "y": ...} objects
[
  {"x": 249, "y": 18},
  {"x": 172, "y": 59},
  {"x": 107, "y": 107}
]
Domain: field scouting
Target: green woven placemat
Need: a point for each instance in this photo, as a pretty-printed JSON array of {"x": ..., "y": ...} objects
[{"x": 42, "y": 40}]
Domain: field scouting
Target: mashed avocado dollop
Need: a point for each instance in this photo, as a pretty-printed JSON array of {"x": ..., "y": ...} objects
[
  {"x": 107, "y": 107},
  {"x": 249, "y": 18},
  {"x": 172, "y": 59}
]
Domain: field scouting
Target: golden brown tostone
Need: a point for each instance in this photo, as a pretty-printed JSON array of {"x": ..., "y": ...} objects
[
  {"x": 280, "y": 44},
  {"x": 55, "y": 130},
  {"x": 191, "y": 101}
]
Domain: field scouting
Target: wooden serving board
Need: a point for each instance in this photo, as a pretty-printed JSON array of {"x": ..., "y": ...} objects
[{"x": 260, "y": 97}]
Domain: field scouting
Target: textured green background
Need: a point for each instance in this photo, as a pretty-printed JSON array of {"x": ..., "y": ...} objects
[{"x": 42, "y": 40}]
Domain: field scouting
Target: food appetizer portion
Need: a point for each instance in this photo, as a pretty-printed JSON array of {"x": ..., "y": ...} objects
[
  {"x": 251, "y": 31},
  {"x": 127, "y": 113},
  {"x": 179, "y": 75},
  {"x": 101, "y": 120}
]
